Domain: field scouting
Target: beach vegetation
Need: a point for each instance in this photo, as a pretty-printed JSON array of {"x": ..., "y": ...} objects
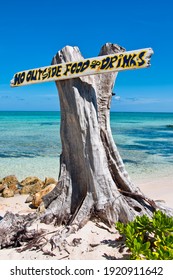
[{"x": 149, "y": 238}]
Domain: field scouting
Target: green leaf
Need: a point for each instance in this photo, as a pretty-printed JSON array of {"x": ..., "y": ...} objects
[{"x": 149, "y": 238}]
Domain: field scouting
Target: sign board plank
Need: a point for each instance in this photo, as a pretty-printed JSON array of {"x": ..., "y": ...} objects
[{"x": 97, "y": 65}]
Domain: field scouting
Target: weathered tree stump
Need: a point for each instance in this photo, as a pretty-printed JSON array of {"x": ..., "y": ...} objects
[{"x": 93, "y": 180}]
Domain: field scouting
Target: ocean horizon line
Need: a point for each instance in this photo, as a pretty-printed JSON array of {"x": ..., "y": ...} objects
[{"x": 58, "y": 111}]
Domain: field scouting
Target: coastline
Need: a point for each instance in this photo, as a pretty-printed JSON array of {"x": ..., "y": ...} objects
[
  {"x": 97, "y": 243},
  {"x": 158, "y": 188},
  {"x": 30, "y": 146}
]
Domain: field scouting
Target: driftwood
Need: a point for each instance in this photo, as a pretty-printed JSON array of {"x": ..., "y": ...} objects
[
  {"x": 14, "y": 229},
  {"x": 93, "y": 181}
]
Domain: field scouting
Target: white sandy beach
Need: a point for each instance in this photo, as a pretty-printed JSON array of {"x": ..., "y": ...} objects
[
  {"x": 94, "y": 242},
  {"x": 160, "y": 188}
]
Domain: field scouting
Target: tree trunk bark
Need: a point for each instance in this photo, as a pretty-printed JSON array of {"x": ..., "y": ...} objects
[{"x": 92, "y": 180}]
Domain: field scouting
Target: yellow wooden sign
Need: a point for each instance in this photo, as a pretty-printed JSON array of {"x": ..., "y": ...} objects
[{"x": 98, "y": 65}]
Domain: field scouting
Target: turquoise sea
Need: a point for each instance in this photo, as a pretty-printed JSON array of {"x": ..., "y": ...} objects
[{"x": 30, "y": 143}]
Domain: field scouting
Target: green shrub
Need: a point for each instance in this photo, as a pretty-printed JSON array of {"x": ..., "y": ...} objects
[{"x": 149, "y": 239}]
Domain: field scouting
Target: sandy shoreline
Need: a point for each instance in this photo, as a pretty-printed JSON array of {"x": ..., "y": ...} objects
[
  {"x": 160, "y": 188},
  {"x": 94, "y": 241}
]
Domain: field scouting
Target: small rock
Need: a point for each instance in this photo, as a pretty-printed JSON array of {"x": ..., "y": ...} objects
[
  {"x": 2, "y": 187},
  {"x": 49, "y": 181},
  {"x": 7, "y": 193},
  {"x": 31, "y": 185},
  {"x": 170, "y": 126},
  {"x": 11, "y": 179},
  {"x": 31, "y": 181},
  {"x": 31, "y": 189},
  {"x": 29, "y": 199},
  {"x": 13, "y": 187},
  {"x": 37, "y": 198},
  {"x": 10, "y": 182}
]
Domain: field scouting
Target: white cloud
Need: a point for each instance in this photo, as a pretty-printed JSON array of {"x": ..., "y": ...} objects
[{"x": 117, "y": 97}]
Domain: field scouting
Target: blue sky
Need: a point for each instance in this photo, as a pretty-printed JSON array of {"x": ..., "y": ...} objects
[{"x": 33, "y": 31}]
